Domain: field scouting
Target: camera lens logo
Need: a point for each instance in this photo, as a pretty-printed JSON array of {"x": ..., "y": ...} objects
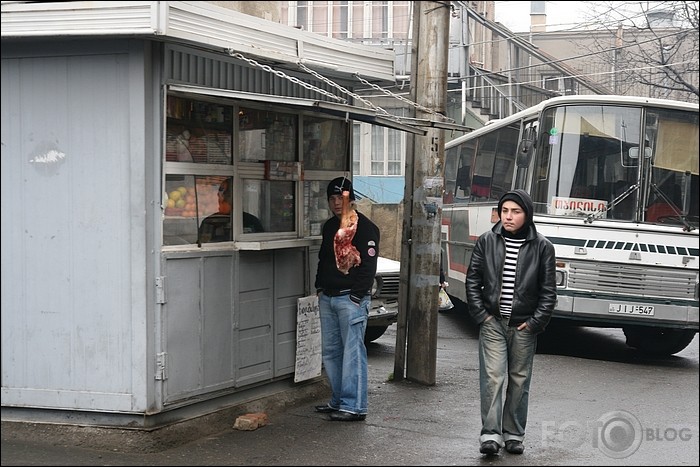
[{"x": 619, "y": 434}]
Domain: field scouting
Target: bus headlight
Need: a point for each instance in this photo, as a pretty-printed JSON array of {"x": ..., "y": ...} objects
[{"x": 560, "y": 278}]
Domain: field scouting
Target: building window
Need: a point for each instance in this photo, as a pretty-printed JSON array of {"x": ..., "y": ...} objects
[
  {"x": 380, "y": 20},
  {"x": 341, "y": 20},
  {"x": 302, "y": 15},
  {"x": 357, "y": 148},
  {"x": 321, "y": 20},
  {"x": 560, "y": 84},
  {"x": 395, "y": 149},
  {"x": 377, "y": 151}
]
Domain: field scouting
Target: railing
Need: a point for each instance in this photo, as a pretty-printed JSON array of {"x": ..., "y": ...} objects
[{"x": 497, "y": 97}]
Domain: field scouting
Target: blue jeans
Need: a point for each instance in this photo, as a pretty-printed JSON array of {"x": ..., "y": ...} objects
[
  {"x": 505, "y": 357},
  {"x": 343, "y": 326}
]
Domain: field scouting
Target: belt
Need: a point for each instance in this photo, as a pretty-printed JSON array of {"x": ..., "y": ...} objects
[{"x": 335, "y": 292}]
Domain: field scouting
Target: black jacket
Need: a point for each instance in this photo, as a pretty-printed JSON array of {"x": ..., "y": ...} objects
[
  {"x": 360, "y": 278},
  {"x": 535, "y": 293}
]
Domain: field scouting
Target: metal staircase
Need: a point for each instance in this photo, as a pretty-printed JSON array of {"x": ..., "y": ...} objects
[{"x": 491, "y": 96}]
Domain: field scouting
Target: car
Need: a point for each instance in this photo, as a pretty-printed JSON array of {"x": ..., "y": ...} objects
[{"x": 384, "y": 310}]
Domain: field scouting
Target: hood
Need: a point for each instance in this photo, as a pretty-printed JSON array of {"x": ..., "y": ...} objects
[{"x": 524, "y": 201}]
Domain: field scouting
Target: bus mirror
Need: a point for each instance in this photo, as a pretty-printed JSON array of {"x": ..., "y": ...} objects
[{"x": 525, "y": 149}]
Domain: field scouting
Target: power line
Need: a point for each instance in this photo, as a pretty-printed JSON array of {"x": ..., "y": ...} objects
[
  {"x": 626, "y": 70},
  {"x": 561, "y": 60}
]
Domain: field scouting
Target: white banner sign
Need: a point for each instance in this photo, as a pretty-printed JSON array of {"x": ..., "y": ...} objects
[{"x": 576, "y": 206}]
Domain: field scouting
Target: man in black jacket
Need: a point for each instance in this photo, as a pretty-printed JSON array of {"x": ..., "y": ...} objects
[
  {"x": 511, "y": 291},
  {"x": 344, "y": 300}
]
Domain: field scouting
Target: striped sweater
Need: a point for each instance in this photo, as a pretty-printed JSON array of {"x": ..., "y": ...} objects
[{"x": 508, "y": 283}]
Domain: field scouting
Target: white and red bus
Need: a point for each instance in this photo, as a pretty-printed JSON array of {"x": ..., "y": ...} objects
[{"x": 615, "y": 184}]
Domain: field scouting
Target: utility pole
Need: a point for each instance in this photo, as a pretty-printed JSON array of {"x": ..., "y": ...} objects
[{"x": 416, "y": 338}]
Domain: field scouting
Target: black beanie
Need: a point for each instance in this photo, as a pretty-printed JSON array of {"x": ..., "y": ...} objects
[{"x": 338, "y": 185}]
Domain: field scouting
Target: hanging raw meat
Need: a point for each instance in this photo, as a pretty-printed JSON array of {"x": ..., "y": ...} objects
[{"x": 346, "y": 255}]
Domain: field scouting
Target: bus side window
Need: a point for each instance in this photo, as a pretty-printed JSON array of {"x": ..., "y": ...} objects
[
  {"x": 463, "y": 182},
  {"x": 448, "y": 195},
  {"x": 464, "y": 170}
]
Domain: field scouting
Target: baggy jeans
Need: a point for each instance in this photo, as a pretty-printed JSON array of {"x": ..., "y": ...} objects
[
  {"x": 505, "y": 357},
  {"x": 343, "y": 325}
]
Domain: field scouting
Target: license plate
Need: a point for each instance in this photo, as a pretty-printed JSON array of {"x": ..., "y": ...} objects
[{"x": 627, "y": 309}]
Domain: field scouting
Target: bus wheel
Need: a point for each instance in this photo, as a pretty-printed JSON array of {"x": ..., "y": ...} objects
[{"x": 658, "y": 341}]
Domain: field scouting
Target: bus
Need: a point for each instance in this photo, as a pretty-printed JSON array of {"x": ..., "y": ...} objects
[{"x": 614, "y": 180}]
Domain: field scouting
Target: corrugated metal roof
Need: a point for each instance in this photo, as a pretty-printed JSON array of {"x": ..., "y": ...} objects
[{"x": 201, "y": 23}]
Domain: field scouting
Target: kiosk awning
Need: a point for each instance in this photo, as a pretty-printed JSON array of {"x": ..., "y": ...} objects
[{"x": 349, "y": 112}]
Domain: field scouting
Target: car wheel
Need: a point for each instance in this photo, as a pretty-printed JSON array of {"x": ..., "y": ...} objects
[{"x": 374, "y": 332}]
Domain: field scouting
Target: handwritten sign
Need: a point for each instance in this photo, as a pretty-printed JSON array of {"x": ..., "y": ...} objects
[{"x": 308, "y": 360}]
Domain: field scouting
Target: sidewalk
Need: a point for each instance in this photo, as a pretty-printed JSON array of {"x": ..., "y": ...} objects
[
  {"x": 408, "y": 424},
  {"x": 413, "y": 424}
]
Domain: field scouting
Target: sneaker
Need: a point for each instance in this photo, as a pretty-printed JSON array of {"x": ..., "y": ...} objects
[
  {"x": 325, "y": 409},
  {"x": 489, "y": 447},
  {"x": 514, "y": 446},
  {"x": 347, "y": 417}
]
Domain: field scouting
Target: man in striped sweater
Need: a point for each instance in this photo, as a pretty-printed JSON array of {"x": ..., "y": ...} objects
[{"x": 511, "y": 293}]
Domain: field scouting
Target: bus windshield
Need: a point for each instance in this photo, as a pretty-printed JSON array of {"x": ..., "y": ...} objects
[{"x": 588, "y": 163}]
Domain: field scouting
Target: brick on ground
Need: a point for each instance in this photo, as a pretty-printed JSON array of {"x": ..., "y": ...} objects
[{"x": 251, "y": 421}]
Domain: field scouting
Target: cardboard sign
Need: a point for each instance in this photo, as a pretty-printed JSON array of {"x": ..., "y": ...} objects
[{"x": 308, "y": 357}]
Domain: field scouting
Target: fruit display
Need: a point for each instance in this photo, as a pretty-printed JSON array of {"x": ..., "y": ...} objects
[{"x": 190, "y": 202}]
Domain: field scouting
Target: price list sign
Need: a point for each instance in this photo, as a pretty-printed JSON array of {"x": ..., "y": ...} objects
[{"x": 308, "y": 357}]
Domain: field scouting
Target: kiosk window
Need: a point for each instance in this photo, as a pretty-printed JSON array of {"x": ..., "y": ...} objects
[
  {"x": 325, "y": 143},
  {"x": 197, "y": 209},
  {"x": 268, "y": 206},
  {"x": 198, "y": 132},
  {"x": 266, "y": 135},
  {"x": 238, "y": 170}
]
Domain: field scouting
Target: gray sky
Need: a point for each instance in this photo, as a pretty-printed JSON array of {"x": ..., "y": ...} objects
[{"x": 579, "y": 15}]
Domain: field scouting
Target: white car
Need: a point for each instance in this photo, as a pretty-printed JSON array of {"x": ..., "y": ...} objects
[{"x": 385, "y": 298}]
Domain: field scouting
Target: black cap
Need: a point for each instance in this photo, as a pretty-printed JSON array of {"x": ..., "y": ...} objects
[{"x": 338, "y": 185}]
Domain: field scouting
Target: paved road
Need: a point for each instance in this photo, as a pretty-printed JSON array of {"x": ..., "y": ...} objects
[{"x": 593, "y": 402}]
